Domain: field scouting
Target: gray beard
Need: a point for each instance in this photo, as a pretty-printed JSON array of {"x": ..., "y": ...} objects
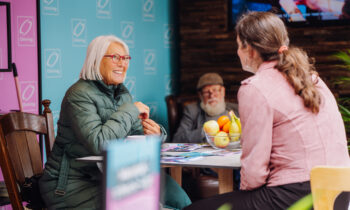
[{"x": 215, "y": 110}]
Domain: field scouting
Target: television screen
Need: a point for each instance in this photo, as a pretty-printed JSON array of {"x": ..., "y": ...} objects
[{"x": 306, "y": 11}]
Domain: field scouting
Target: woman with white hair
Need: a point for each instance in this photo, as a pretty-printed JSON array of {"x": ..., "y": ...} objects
[{"x": 97, "y": 109}]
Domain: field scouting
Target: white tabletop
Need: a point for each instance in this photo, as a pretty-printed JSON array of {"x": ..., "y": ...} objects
[{"x": 90, "y": 159}]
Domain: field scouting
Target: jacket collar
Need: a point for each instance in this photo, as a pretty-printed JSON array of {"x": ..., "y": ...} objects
[{"x": 111, "y": 90}]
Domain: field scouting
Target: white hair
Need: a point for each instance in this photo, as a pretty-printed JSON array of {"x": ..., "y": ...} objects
[
  {"x": 95, "y": 52},
  {"x": 214, "y": 110}
]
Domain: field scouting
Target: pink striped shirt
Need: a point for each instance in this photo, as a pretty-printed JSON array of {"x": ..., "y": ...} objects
[{"x": 281, "y": 139}]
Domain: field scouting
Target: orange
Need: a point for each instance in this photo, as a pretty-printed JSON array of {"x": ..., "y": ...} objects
[
  {"x": 222, "y": 120},
  {"x": 226, "y": 127}
]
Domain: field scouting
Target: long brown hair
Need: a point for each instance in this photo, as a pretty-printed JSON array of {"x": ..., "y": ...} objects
[{"x": 266, "y": 33}]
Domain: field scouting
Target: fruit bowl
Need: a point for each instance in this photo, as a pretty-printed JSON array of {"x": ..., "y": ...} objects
[{"x": 227, "y": 142}]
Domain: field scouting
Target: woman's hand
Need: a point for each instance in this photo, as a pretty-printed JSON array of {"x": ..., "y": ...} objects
[
  {"x": 143, "y": 109},
  {"x": 150, "y": 127}
]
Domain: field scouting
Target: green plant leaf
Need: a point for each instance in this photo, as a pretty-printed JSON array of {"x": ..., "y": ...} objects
[
  {"x": 304, "y": 203},
  {"x": 343, "y": 81},
  {"x": 344, "y": 110},
  {"x": 225, "y": 206},
  {"x": 343, "y": 56}
]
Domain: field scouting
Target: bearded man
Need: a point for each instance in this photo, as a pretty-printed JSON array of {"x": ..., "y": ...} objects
[{"x": 212, "y": 105}]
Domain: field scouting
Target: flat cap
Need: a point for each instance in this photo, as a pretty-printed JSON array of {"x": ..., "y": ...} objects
[{"x": 209, "y": 79}]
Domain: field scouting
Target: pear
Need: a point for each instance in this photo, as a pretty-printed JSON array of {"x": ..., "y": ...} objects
[{"x": 235, "y": 129}]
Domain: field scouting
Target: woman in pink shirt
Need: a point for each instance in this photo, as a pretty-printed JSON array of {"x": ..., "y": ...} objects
[{"x": 290, "y": 119}]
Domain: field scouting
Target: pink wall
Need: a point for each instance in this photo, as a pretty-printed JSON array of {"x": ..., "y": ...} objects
[
  {"x": 24, "y": 54},
  {"x": 3, "y": 40}
]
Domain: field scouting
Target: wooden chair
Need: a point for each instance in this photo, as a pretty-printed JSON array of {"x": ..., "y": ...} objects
[
  {"x": 175, "y": 105},
  {"x": 327, "y": 183},
  {"x": 200, "y": 186},
  {"x": 20, "y": 154}
]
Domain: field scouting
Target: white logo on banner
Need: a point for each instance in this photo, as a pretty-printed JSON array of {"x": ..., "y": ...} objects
[
  {"x": 150, "y": 62},
  {"x": 130, "y": 84},
  {"x": 104, "y": 9},
  {"x": 168, "y": 83},
  {"x": 79, "y": 32},
  {"x": 26, "y": 31},
  {"x": 168, "y": 35},
  {"x": 128, "y": 33},
  {"x": 53, "y": 66},
  {"x": 50, "y": 7},
  {"x": 148, "y": 11},
  {"x": 55, "y": 116},
  {"x": 152, "y": 110},
  {"x": 29, "y": 95}
]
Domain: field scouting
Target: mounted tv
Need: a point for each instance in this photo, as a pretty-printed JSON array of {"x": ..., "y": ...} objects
[{"x": 296, "y": 12}]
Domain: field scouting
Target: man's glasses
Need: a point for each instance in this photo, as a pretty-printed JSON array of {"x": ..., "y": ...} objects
[
  {"x": 211, "y": 91},
  {"x": 116, "y": 58}
]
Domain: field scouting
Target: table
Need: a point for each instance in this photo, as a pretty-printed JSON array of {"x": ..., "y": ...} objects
[{"x": 223, "y": 165}]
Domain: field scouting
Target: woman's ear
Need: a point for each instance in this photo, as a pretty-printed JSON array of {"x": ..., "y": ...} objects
[{"x": 251, "y": 51}]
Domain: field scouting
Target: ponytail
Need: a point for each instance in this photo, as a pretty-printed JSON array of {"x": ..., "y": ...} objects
[
  {"x": 300, "y": 72},
  {"x": 267, "y": 34}
]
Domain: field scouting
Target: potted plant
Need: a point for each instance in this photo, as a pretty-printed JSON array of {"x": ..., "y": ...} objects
[{"x": 343, "y": 81}]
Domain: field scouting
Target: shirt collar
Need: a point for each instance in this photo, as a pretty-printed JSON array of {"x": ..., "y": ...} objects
[
  {"x": 264, "y": 66},
  {"x": 267, "y": 65}
]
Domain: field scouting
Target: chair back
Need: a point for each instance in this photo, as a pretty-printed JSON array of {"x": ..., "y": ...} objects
[
  {"x": 20, "y": 152},
  {"x": 327, "y": 183},
  {"x": 175, "y": 105}
]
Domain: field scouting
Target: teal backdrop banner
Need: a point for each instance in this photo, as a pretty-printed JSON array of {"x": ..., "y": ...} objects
[{"x": 147, "y": 26}]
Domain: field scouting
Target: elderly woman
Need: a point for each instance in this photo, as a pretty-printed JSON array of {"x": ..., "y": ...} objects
[{"x": 96, "y": 109}]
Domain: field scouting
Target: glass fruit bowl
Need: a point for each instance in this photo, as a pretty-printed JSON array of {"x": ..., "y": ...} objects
[{"x": 224, "y": 140}]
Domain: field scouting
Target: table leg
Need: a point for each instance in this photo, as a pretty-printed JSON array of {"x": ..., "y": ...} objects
[
  {"x": 225, "y": 177},
  {"x": 176, "y": 173}
]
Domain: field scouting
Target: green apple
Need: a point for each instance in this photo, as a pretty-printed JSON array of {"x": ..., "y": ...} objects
[
  {"x": 221, "y": 139},
  {"x": 211, "y": 127}
]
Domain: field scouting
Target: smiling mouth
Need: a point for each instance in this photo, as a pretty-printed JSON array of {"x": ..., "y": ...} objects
[{"x": 118, "y": 71}]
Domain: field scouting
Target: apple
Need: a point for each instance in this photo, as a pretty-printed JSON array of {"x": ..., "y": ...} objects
[
  {"x": 211, "y": 127},
  {"x": 221, "y": 139}
]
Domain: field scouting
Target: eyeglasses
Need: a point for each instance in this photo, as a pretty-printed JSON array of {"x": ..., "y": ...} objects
[
  {"x": 211, "y": 91},
  {"x": 116, "y": 58}
]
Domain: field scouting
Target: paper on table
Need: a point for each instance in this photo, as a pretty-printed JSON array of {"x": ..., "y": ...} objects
[
  {"x": 187, "y": 147},
  {"x": 176, "y": 159},
  {"x": 183, "y": 157}
]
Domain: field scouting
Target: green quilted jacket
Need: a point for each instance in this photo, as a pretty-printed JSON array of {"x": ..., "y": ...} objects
[{"x": 92, "y": 115}]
